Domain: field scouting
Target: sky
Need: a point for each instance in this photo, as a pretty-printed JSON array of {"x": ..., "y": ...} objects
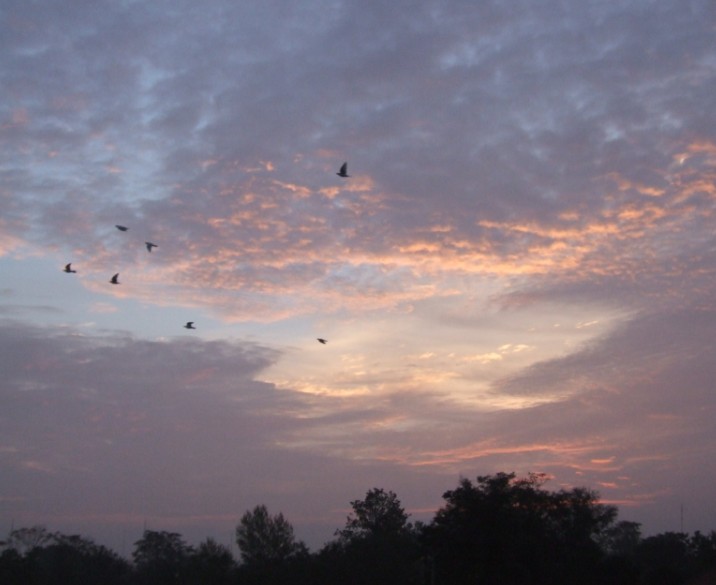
[{"x": 519, "y": 274}]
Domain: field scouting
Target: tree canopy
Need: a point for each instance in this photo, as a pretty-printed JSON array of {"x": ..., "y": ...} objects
[
  {"x": 498, "y": 529},
  {"x": 505, "y": 529},
  {"x": 379, "y": 513},
  {"x": 160, "y": 557},
  {"x": 264, "y": 539}
]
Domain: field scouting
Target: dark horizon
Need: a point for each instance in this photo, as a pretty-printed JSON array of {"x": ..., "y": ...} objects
[{"x": 498, "y": 528}]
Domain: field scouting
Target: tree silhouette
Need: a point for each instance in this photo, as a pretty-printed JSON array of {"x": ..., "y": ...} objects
[
  {"x": 264, "y": 539},
  {"x": 703, "y": 551},
  {"x": 14, "y": 568},
  {"x": 622, "y": 539},
  {"x": 269, "y": 550},
  {"x": 377, "y": 544},
  {"x": 23, "y": 540},
  {"x": 507, "y": 530},
  {"x": 380, "y": 513},
  {"x": 160, "y": 558},
  {"x": 500, "y": 529},
  {"x": 34, "y": 555},
  {"x": 211, "y": 563}
]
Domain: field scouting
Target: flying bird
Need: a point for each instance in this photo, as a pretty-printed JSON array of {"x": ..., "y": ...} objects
[
  {"x": 68, "y": 269},
  {"x": 189, "y": 325},
  {"x": 344, "y": 171},
  {"x": 323, "y": 341},
  {"x": 149, "y": 246},
  {"x": 121, "y": 228},
  {"x": 115, "y": 279}
]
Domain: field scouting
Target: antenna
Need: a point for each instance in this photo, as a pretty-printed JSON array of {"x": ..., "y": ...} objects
[{"x": 682, "y": 518}]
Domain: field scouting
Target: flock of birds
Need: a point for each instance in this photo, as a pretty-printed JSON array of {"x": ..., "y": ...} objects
[{"x": 342, "y": 172}]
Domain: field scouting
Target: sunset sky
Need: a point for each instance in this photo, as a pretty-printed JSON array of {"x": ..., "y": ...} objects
[{"x": 519, "y": 275}]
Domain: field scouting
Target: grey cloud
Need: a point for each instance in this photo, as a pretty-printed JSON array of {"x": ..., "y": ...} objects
[
  {"x": 148, "y": 423},
  {"x": 473, "y": 134},
  {"x": 657, "y": 346},
  {"x": 15, "y": 310},
  {"x": 165, "y": 116},
  {"x": 107, "y": 431},
  {"x": 121, "y": 390}
]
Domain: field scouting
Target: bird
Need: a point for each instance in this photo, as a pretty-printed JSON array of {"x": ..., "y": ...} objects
[
  {"x": 323, "y": 341},
  {"x": 114, "y": 279},
  {"x": 344, "y": 171},
  {"x": 189, "y": 325},
  {"x": 121, "y": 228},
  {"x": 149, "y": 246},
  {"x": 68, "y": 269}
]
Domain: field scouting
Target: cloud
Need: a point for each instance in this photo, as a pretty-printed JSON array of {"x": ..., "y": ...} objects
[
  {"x": 116, "y": 425},
  {"x": 109, "y": 432},
  {"x": 518, "y": 273},
  {"x": 417, "y": 102}
]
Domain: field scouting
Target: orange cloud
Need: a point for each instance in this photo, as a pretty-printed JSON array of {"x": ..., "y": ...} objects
[{"x": 490, "y": 448}]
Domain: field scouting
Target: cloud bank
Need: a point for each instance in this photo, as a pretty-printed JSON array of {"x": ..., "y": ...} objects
[{"x": 519, "y": 273}]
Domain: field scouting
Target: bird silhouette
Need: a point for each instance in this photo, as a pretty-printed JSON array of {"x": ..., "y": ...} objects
[
  {"x": 68, "y": 269},
  {"x": 189, "y": 325},
  {"x": 115, "y": 279},
  {"x": 323, "y": 341},
  {"x": 344, "y": 171},
  {"x": 121, "y": 228},
  {"x": 149, "y": 246}
]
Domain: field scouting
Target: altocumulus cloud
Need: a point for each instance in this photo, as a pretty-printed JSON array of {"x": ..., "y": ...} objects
[{"x": 514, "y": 167}]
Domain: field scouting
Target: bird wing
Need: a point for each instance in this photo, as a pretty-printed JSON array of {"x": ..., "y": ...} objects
[{"x": 344, "y": 168}]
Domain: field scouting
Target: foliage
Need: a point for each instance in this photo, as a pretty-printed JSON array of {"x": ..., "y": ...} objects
[
  {"x": 377, "y": 544},
  {"x": 161, "y": 557},
  {"x": 264, "y": 539},
  {"x": 380, "y": 513},
  {"x": 212, "y": 563},
  {"x": 702, "y": 550},
  {"x": 674, "y": 557},
  {"x": 270, "y": 553},
  {"x": 621, "y": 539},
  {"x": 33, "y": 555},
  {"x": 24, "y": 540},
  {"x": 507, "y": 530},
  {"x": 499, "y": 529}
]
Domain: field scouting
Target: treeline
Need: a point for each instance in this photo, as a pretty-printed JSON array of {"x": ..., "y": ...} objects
[{"x": 499, "y": 530}]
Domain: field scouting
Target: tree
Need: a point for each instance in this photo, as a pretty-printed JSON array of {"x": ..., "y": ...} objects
[
  {"x": 664, "y": 558},
  {"x": 211, "y": 563},
  {"x": 380, "y": 513},
  {"x": 622, "y": 539},
  {"x": 620, "y": 543},
  {"x": 703, "y": 551},
  {"x": 14, "y": 568},
  {"x": 377, "y": 545},
  {"x": 264, "y": 539},
  {"x": 160, "y": 558},
  {"x": 34, "y": 555},
  {"x": 508, "y": 530},
  {"x": 23, "y": 540},
  {"x": 76, "y": 559}
]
